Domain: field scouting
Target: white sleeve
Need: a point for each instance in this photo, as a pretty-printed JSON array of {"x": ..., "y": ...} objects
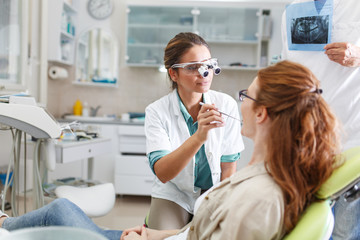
[
  {"x": 157, "y": 137},
  {"x": 180, "y": 236}
]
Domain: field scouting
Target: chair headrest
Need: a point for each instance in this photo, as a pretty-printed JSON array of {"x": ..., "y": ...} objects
[
  {"x": 316, "y": 222},
  {"x": 344, "y": 177}
]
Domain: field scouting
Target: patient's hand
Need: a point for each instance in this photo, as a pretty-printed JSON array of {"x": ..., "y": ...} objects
[{"x": 136, "y": 233}]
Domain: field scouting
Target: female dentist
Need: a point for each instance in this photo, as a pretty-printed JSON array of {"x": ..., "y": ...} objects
[{"x": 190, "y": 146}]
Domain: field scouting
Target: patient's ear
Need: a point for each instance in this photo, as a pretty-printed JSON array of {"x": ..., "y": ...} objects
[{"x": 261, "y": 114}]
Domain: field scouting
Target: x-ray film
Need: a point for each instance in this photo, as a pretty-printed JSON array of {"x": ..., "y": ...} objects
[{"x": 308, "y": 25}]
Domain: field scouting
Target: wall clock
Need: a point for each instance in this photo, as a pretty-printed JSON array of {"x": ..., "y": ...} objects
[{"x": 100, "y": 9}]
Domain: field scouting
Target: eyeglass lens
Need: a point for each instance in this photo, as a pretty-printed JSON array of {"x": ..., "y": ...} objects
[
  {"x": 242, "y": 95},
  {"x": 193, "y": 68}
]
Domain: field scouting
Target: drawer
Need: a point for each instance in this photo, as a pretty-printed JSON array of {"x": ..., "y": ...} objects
[
  {"x": 73, "y": 151},
  {"x": 133, "y": 165},
  {"x": 132, "y": 144},
  {"x": 133, "y": 185},
  {"x": 132, "y": 139},
  {"x": 132, "y": 130}
]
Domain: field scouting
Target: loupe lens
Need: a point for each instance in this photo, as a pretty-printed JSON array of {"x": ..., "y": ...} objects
[
  {"x": 203, "y": 71},
  {"x": 217, "y": 71}
]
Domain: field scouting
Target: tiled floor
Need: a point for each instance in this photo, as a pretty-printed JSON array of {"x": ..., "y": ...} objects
[{"x": 129, "y": 211}]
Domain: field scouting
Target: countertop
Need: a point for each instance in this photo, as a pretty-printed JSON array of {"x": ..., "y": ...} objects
[{"x": 100, "y": 120}]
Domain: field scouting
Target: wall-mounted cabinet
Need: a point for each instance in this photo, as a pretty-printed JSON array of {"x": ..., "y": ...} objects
[
  {"x": 149, "y": 30},
  {"x": 13, "y": 46},
  {"x": 97, "y": 59},
  {"x": 238, "y": 37},
  {"x": 62, "y": 31}
]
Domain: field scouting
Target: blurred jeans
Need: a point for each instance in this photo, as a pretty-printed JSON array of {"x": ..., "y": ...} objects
[
  {"x": 347, "y": 220},
  {"x": 60, "y": 212}
]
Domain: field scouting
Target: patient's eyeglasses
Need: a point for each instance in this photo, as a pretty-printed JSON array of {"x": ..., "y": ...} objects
[
  {"x": 202, "y": 68},
  {"x": 243, "y": 94}
]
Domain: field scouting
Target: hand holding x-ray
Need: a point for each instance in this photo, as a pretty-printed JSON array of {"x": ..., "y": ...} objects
[{"x": 346, "y": 54}]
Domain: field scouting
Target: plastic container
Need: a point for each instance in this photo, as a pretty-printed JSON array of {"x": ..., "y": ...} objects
[
  {"x": 85, "y": 110},
  {"x": 77, "y": 108}
]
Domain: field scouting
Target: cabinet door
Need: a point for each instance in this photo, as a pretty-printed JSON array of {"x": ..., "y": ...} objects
[
  {"x": 62, "y": 31},
  {"x": 228, "y": 24},
  {"x": 232, "y": 34},
  {"x": 150, "y": 29},
  {"x": 13, "y": 45}
]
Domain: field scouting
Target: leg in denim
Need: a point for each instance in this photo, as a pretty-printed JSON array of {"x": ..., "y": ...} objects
[
  {"x": 347, "y": 220},
  {"x": 60, "y": 212}
]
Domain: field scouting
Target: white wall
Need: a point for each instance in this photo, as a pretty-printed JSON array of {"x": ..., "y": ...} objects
[
  {"x": 140, "y": 86},
  {"x": 137, "y": 86}
]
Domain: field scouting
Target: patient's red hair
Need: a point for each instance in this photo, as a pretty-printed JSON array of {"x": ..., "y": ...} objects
[{"x": 303, "y": 138}]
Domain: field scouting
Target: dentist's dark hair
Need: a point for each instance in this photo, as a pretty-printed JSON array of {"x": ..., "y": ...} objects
[
  {"x": 177, "y": 47},
  {"x": 304, "y": 134}
]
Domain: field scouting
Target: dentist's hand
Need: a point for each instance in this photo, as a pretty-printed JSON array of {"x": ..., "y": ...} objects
[
  {"x": 208, "y": 118},
  {"x": 346, "y": 54}
]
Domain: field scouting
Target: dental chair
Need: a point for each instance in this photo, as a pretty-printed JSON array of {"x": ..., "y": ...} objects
[
  {"x": 95, "y": 201},
  {"x": 317, "y": 222}
]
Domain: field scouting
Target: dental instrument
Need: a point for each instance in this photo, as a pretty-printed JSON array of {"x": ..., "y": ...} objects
[{"x": 201, "y": 103}]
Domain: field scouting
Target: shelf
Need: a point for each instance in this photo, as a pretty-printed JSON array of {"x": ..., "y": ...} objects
[
  {"x": 67, "y": 63},
  {"x": 219, "y": 41},
  {"x": 236, "y": 68},
  {"x": 66, "y": 35},
  {"x": 240, "y": 68},
  {"x": 81, "y": 42},
  {"x": 153, "y": 65},
  {"x": 70, "y": 9},
  {"x": 147, "y": 45},
  {"x": 92, "y": 84},
  {"x": 164, "y": 26}
]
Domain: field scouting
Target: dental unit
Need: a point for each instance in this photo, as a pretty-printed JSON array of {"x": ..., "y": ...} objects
[{"x": 23, "y": 114}]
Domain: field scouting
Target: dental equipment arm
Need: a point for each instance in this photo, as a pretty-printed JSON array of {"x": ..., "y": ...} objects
[
  {"x": 33, "y": 120},
  {"x": 22, "y": 114}
]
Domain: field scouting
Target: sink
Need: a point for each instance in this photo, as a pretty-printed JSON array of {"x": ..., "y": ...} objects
[{"x": 82, "y": 118}]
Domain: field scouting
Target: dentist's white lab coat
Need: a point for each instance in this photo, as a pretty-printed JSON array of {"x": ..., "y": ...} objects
[
  {"x": 341, "y": 84},
  {"x": 166, "y": 129}
]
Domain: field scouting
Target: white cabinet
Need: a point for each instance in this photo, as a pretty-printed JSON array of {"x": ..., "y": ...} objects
[
  {"x": 62, "y": 31},
  {"x": 237, "y": 36},
  {"x": 13, "y": 46},
  {"x": 133, "y": 175},
  {"x": 150, "y": 28}
]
